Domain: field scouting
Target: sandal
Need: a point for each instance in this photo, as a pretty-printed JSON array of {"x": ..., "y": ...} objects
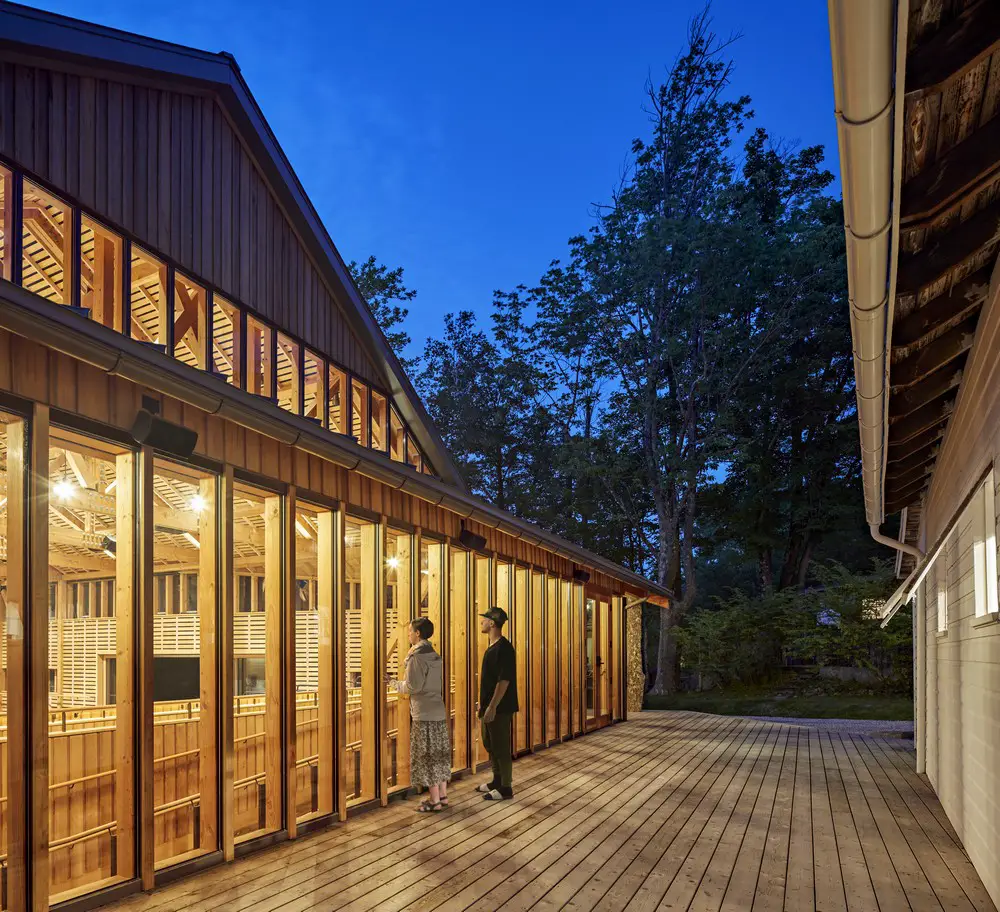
[
  {"x": 430, "y": 807},
  {"x": 443, "y": 802}
]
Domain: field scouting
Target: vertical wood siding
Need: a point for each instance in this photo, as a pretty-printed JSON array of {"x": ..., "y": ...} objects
[{"x": 169, "y": 168}]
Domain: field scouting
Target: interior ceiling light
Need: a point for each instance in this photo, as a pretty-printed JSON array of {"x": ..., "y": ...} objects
[
  {"x": 63, "y": 489},
  {"x": 301, "y": 529},
  {"x": 112, "y": 486},
  {"x": 392, "y": 562},
  {"x": 194, "y": 541},
  {"x": 198, "y": 503}
]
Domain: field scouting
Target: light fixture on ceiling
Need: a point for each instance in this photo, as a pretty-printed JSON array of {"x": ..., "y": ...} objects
[
  {"x": 198, "y": 503},
  {"x": 194, "y": 541},
  {"x": 112, "y": 486},
  {"x": 3, "y": 502},
  {"x": 301, "y": 529},
  {"x": 63, "y": 489},
  {"x": 392, "y": 562}
]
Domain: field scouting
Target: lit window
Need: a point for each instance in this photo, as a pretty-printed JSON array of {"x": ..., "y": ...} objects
[
  {"x": 289, "y": 371},
  {"x": 101, "y": 273},
  {"x": 984, "y": 547},
  {"x": 397, "y": 436},
  {"x": 149, "y": 299},
  {"x": 378, "y": 421},
  {"x": 226, "y": 348},
  {"x": 190, "y": 322},
  {"x": 260, "y": 359},
  {"x": 314, "y": 389},
  {"x": 6, "y": 221},
  {"x": 45, "y": 238},
  {"x": 413, "y": 456},
  {"x": 359, "y": 412},
  {"x": 336, "y": 402}
]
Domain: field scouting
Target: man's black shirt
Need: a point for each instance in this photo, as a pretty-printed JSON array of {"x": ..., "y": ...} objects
[{"x": 499, "y": 664}]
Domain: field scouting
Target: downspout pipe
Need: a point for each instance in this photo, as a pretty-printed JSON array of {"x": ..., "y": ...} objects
[{"x": 912, "y": 550}]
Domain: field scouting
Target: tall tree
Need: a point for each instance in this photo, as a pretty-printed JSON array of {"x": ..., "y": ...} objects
[{"x": 387, "y": 294}]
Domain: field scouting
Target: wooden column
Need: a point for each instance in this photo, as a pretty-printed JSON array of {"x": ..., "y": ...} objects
[
  {"x": 381, "y": 696},
  {"x": 26, "y": 630},
  {"x": 372, "y": 705},
  {"x": 339, "y": 633},
  {"x": 208, "y": 610},
  {"x": 288, "y": 596},
  {"x": 227, "y": 582},
  {"x": 274, "y": 604},
  {"x": 325, "y": 603},
  {"x": 458, "y": 658}
]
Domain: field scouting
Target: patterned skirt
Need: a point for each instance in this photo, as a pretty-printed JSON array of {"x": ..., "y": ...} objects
[{"x": 430, "y": 753}]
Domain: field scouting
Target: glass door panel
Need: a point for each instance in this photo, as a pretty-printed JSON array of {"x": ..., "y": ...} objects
[
  {"x": 458, "y": 658},
  {"x": 185, "y": 700},
  {"x": 589, "y": 658},
  {"x": 552, "y": 657},
  {"x": 604, "y": 659},
  {"x": 314, "y": 657},
  {"x": 398, "y": 607},
  {"x": 482, "y": 595},
  {"x": 520, "y": 641},
  {"x": 92, "y": 547},
  {"x": 566, "y": 694},
  {"x": 537, "y": 640},
  {"x": 257, "y": 799},
  {"x": 361, "y": 647}
]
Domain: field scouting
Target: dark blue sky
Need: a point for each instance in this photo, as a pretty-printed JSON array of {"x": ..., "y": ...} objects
[{"x": 467, "y": 142}]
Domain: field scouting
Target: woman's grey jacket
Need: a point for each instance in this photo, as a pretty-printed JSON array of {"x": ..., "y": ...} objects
[{"x": 424, "y": 682}]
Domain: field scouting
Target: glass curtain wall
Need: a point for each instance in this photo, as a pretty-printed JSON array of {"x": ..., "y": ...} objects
[
  {"x": 567, "y": 654},
  {"x": 603, "y": 657},
  {"x": 457, "y": 665},
  {"x": 520, "y": 640},
  {"x": 92, "y": 803},
  {"x": 431, "y": 605},
  {"x": 537, "y": 640},
  {"x": 361, "y": 650},
  {"x": 314, "y": 659},
  {"x": 257, "y": 622},
  {"x": 185, "y": 699},
  {"x": 398, "y": 609}
]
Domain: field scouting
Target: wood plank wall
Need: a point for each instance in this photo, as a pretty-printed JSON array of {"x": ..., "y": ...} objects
[
  {"x": 169, "y": 169},
  {"x": 33, "y": 371}
]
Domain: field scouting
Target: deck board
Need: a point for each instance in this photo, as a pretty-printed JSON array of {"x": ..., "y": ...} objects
[{"x": 670, "y": 811}]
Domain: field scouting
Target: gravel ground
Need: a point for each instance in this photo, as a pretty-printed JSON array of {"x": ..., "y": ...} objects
[{"x": 852, "y": 726}]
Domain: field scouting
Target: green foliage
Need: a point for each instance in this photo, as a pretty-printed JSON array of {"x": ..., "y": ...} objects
[
  {"x": 386, "y": 293},
  {"x": 746, "y": 638}
]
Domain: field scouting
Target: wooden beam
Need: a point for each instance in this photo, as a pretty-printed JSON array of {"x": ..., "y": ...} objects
[
  {"x": 958, "y": 302},
  {"x": 942, "y": 351},
  {"x": 948, "y": 250},
  {"x": 897, "y": 480},
  {"x": 896, "y": 499},
  {"x": 938, "y": 385},
  {"x": 326, "y": 602},
  {"x": 954, "y": 50},
  {"x": 274, "y": 605},
  {"x": 960, "y": 173},
  {"x": 140, "y": 514},
  {"x": 208, "y": 714},
  {"x": 908, "y": 449},
  {"x": 227, "y": 690},
  {"x": 286, "y": 605},
  {"x": 340, "y": 652},
  {"x": 27, "y": 637},
  {"x": 925, "y": 456},
  {"x": 922, "y": 420}
]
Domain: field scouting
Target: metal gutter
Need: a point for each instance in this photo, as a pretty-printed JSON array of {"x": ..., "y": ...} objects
[{"x": 58, "y": 328}]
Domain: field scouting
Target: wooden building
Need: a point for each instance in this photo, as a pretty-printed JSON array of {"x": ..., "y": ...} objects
[
  {"x": 200, "y": 644},
  {"x": 918, "y": 97}
]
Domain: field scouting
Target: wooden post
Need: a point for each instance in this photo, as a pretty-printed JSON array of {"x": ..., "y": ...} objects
[
  {"x": 339, "y": 633},
  {"x": 208, "y": 608},
  {"x": 382, "y": 742},
  {"x": 287, "y": 602},
  {"x": 325, "y": 601},
  {"x": 372, "y": 706},
  {"x": 227, "y": 581},
  {"x": 142, "y": 688},
  {"x": 26, "y": 630},
  {"x": 274, "y": 608}
]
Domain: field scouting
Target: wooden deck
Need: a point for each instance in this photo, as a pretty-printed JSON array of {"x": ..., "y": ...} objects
[{"x": 669, "y": 811}]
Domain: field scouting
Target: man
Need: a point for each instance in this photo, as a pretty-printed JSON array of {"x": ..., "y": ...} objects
[{"x": 497, "y": 703}]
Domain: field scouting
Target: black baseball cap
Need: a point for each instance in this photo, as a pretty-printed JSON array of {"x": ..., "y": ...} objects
[{"x": 495, "y": 614}]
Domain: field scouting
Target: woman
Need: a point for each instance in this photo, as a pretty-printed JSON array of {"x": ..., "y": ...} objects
[{"x": 430, "y": 747}]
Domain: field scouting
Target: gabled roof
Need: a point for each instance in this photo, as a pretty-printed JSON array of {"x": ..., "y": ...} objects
[{"x": 71, "y": 45}]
